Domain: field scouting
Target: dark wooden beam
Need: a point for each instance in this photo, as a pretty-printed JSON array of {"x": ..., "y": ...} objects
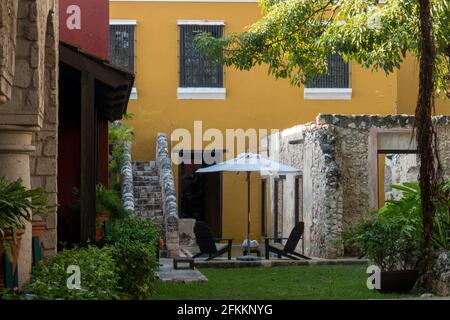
[
  {"x": 101, "y": 70},
  {"x": 88, "y": 159}
]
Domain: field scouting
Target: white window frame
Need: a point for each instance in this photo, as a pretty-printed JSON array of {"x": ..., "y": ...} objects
[
  {"x": 327, "y": 93},
  {"x": 330, "y": 93},
  {"x": 201, "y": 93}
]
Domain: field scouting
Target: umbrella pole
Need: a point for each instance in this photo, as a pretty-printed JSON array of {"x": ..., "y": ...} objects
[{"x": 248, "y": 212}]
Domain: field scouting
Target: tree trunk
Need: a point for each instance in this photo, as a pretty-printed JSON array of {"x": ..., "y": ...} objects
[{"x": 425, "y": 133}]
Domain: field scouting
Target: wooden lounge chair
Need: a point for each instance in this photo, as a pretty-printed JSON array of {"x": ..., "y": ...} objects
[
  {"x": 208, "y": 245},
  {"x": 288, "y": 250}
]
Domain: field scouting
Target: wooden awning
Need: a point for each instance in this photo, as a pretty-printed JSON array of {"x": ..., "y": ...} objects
[
  {"x": 101, "y": 92},
  {"x": 113, "y": 85}
]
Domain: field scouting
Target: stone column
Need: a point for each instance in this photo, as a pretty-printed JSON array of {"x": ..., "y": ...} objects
[{"x": 15, "y": 150}]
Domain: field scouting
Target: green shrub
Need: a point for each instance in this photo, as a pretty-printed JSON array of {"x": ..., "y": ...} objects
[
  {"x": 385, "y": 242},
  {"x": 134, "y": 242},
  {"x": 392, "y": 237},
  {"x": 99, "y": 277},
  {"x": 106, "y": 202}
]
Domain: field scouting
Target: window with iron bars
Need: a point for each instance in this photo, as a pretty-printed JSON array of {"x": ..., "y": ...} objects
[
  {"x": 336, "y": 77},
  {"x": 121, "y": 48},
  {"x": 198, "y": 70}
]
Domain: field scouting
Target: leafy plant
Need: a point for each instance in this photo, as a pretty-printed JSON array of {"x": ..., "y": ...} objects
[
  {"x": 134, "y": 242},
  {"x": 118, "y": 135},
  {"x": 107, "y": 202},
  {"x": 392, "y": 237},
  {"x": 16, "y": 206},
  {"x": 99, "y": 277},
  {"x": 386, "y": 242},
  {"x": 441, "y": 233}
]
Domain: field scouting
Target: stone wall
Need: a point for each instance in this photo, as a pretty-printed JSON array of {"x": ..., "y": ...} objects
[
  {"x": 338, "y": 155},
  {"x": 44, "y": 160},
  {"x": 311, "y": 148},
  {"x": 8, "y": 22},
  {"x": 170, "y": 207},
  {"x": 36, "y": 52},
  {"x": 31, "y": 115},
  {"x": 127, "y": 178}
]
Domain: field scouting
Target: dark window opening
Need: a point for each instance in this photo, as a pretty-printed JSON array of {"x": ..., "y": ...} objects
[
  {"x": 198, "y": 70},
  {"x": 336, "y": 77},
  {"x": 121, "y": 47},
  {"x": 200, "y": 195}
]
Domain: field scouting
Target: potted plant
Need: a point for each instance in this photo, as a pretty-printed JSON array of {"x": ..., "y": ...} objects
[
  {"x": 391, "y": 239},
  {"x": 16, "y": 207},
  {"x": 381, "y": 241}
]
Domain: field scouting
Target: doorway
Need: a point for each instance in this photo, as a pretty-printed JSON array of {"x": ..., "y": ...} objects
[
  {"x": 395, "y": 168},
  {"x": 200, "y": 194}
]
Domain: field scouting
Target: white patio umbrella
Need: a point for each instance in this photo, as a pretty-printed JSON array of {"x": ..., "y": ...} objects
[{"x": 250, "y": 162}]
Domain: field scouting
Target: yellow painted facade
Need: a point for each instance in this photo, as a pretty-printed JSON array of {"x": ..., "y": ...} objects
[{"x": 253, "y": 99}]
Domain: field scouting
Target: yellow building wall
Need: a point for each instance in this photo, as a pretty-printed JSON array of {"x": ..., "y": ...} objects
[
  {"x": 408, "y": 89},
  {"x": 253, "y": 99}
]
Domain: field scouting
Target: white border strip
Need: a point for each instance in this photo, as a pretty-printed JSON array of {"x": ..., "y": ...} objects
[
  {"x": 327, "y": 94},
  {"x": 200, "y": 22},
  {"x": 201, "y": 93},
  {"x": 114, "y": 22}
]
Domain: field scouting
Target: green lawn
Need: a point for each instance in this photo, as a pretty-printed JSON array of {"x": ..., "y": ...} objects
[{"x": 299, "y": 282}]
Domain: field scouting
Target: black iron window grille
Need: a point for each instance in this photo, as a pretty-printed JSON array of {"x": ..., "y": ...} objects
[
  {"x": 337, "y": 76},
  {"x": 198, "y": 70},
  {"x": 121, "y": 48}
]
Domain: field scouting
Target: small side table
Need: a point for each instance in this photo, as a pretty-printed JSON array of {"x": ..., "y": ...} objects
[{"x": 178, "y": 260}]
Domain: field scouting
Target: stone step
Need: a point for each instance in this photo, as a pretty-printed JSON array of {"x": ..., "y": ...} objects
[
  {"x": 156, "y": 214},
  {"x": 146, "y": 183},
  {"x": 146, "y": 178},
  {"x": 147, "y": 191},
  {"x": 148, "y": 166},
  {"x": 146, "y": 206},
  {"x": 138, "y": 173},
  {"x": 148, "y": 195},
  {"x": 148, "y": 201},
  {"x": 144, "y": 163}
]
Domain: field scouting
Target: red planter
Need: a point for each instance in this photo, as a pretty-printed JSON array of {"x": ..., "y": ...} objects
[
  {"x": 398, "y": 281},
  {"x": 39, "y": 230},
  {"x": 15, "y": 249}
]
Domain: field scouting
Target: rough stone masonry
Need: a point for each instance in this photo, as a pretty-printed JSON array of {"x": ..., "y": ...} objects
[{"x": 338, "y": 155}]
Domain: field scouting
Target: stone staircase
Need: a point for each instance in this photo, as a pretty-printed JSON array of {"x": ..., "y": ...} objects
[{"x": 147, "y": 192}]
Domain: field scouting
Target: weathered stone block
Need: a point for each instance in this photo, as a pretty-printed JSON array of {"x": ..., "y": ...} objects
[
  {"x": 23, "y": 76},
  {"x": 46, "y": 166},
  {"x": 50, "y": 148},
  {"x": 51, "y": 184}
]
